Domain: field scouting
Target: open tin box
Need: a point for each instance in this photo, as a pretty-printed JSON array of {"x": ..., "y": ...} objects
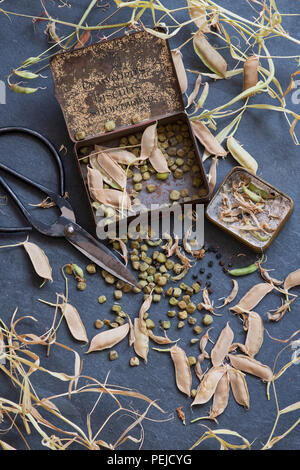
[
  {"x": 274, "y": 208},
  {"x": 130, "y": 80}
]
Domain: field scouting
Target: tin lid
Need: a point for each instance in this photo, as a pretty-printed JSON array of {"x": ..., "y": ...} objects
[{"x": 126, "y": 80}]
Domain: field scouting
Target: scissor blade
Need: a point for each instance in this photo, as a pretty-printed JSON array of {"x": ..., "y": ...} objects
[{"x": 100, "y": 255}]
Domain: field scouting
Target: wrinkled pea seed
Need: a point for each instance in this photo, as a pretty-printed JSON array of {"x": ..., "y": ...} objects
[
  {"x": 113, "y": 355},
  {"x": 101, "y": 299},
  {"x": 98, "y": 324}
]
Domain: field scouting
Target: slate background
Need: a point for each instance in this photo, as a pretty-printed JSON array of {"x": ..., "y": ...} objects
[{"x": 264, "y": 134}]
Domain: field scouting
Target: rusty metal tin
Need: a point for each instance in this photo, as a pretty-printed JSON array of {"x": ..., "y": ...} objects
[
  {"x": 130, "y": 80},
  {"x": 287, "y": 202}
]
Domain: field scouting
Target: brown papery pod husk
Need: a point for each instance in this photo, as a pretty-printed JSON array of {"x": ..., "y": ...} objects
[
  {"x": 221, "y": 397},
  {"x": 221, "y": 348},
  {"x": 120, "y": 155},
  {"x": 195, "y": 91},
  {"x": 160, "y": 339},
  {"x": 251, "y": 366},
  {"x": 253, "y": 297},
  {"x": 292, "y": 280},
  {"x": 208, "y": 385},
  {"x": 113, "y": 197},
  {"x": 112, "y": 168},
  {"x": 141, "y": 339},
  {"x": 182, "y": 370},
  {"x": 39, "y": 260},
  {"x": 212, "y": 176},
  {"x": 148, "y": 141},
  {"x": 95, "y": 181},
  {"x": 255, "y": 333},
  {"x": 206, "y": 138},
  {"x": 158, "y": 161},
  {"x": 250, "y": 72},
  {"x": 74, "y": 322},
  {"x": 232, "y": 294},
  {"x": 239, "y": 387},
  {"x": 2, "y": 348},
  {"x": 209, "y": 55},
  {"x": 198, "y": 15},
  {"x": 180, "y": 70},
  {"x": 109, "y": 338}
]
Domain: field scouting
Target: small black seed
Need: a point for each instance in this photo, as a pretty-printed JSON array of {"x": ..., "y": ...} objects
[
  {"x": 210, "y": 291},
  {"x": 229, "y": 265},
  {"x": 209, "y": 275},
  {"x": 208, "y": 284},
  {"x": 202, "y": 271},
  {"x": 218, "y": 256},
  {"x": 210, "y": 264},
  {"x": 222, "y": 263},
  {"x": 225, "y": 270},
  {"x": 194, "y": 276}
]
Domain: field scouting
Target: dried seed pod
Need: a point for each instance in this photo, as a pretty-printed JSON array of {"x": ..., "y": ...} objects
[
  {"x": 158, "y": 161},
  {"x": 252, "y": 297},
  {"x": 250, "y": 365},
  {"x": 195, "y": 91},
  {"x": 112, "y": 168},
  {"x": 39, "y": 260},
  {"x": 182, "y": 370},
  {"x": 221, "y": 348},
  {"x": 198, "y": 368},
  {"x": 113, "y": 197},
  {"x": 221, "y": 396},
  {"x": 180, "y": 70},
  {"x": 292, "y": 280},
  {"x": 209, "y": 55},
  {"x": 2, "y": 348},
  {"x": 206, "y": 138},
  {"x": 208, "y": 385},
  {"x": 160, "y": 339},
  {"x": 122, "y": 156},
  {"x": 141, "y": 341},
  {"x": 203, "y": 342},
  {"x": 94, "y": 181},
  {"x": 109, "y": 338},
  {"x": 239, "y": 387},
  {"x": 255, "y": 334},
  {"x": 250, "y": 72},
  {"x": 232, "y": 294},
  {"x": 212, "y": 175},
  {"x": 241, "y": 155},
  {"x": 198, "y": 15},
  {"x": 148, "y": 141},
  {"x": 74, "y": 322}
]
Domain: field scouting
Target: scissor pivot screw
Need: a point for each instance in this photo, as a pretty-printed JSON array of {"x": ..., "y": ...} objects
[{"x": 69, "y": 230}]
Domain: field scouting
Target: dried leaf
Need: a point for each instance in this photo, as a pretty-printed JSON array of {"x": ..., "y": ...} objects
[
  {"x": 74, "y": 322},
  {"x": 108, "y": 338},
  {"x": 206, "y": 138},
  {"x": 39, "y": 260},
  {"x": 180, "y": 70}
]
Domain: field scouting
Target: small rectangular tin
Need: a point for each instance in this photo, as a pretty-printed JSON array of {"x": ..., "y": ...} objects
[
  {"x": 257, "y": 247},
  {"x": 131, "y": 80}
]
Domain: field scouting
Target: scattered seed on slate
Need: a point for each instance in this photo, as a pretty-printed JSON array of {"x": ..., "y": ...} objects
[
  {"x": 202, "y": 271},
  {"x": 209, "y": 275},
  {"x": 222, "y": 263},
  {"x": 194, "y": 276},
  {"x": 210, "y": 264},
  {"x": 208, "y": 284},
  {"x": 218, "y": 256}
]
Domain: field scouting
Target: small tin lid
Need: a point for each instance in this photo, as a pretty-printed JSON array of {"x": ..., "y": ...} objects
[{"x": 126, "y": 80}]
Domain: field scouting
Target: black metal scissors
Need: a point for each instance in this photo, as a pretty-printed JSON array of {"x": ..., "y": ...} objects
[{"x": 65, "y": 226}]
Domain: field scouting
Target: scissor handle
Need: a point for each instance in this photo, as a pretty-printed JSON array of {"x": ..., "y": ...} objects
[{"x": 53, "y": 151}]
